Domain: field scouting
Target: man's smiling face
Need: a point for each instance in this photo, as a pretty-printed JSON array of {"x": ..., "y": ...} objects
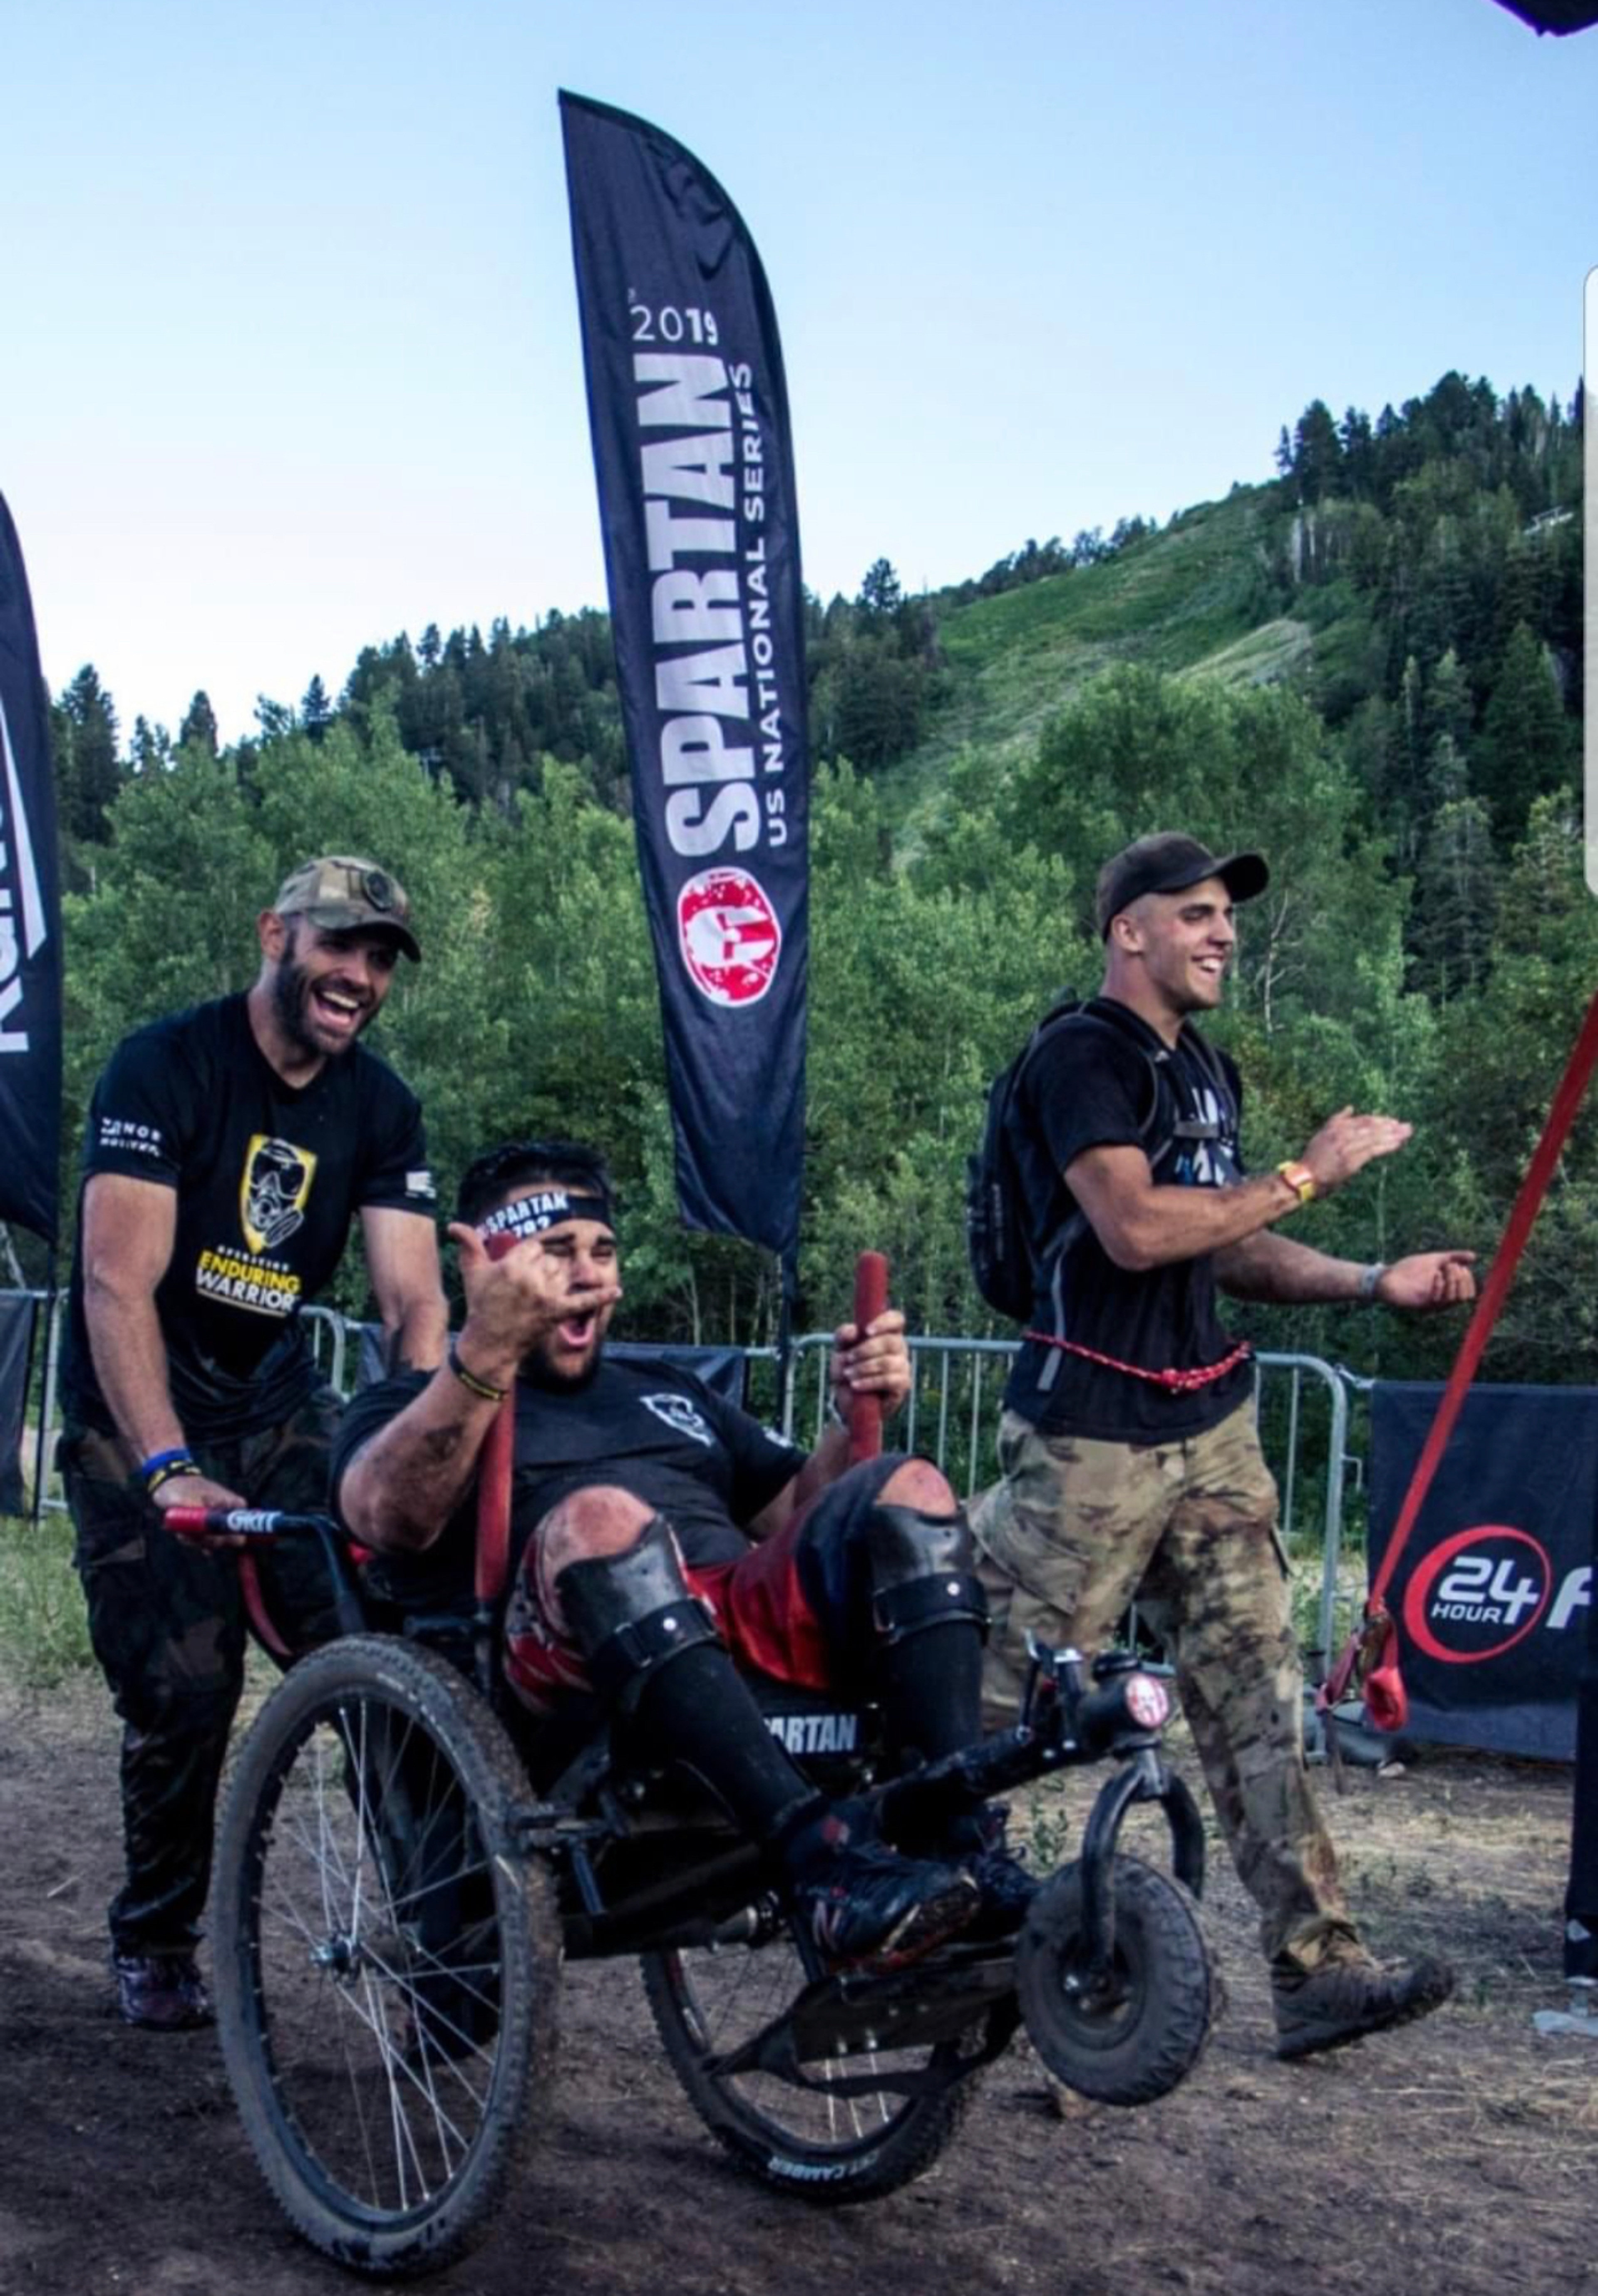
[
  {"x": 327, "y": 986},
  {"x": 1187, "y": 940}
]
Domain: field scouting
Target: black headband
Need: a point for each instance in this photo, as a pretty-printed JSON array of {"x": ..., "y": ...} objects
[{"x": 544, "y": 1207}]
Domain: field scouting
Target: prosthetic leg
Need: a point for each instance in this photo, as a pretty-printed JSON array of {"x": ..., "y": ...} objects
[{"x": 929, "y": 1615}]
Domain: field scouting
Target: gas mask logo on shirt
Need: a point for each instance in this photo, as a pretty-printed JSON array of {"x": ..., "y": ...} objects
[{"x": 272, "y": 1191}]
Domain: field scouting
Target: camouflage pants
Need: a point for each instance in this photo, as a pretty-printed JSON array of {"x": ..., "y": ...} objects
[
  {"x": 1075, "y": 1530},
  {"x": 166, "y": 1620}
]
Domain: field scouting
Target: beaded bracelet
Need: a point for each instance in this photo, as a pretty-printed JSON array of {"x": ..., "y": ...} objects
[{"x": 480, "y": 1388}]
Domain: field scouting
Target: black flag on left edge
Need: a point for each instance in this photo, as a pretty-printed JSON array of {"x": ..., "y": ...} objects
[{"x": 30, "y": 976}]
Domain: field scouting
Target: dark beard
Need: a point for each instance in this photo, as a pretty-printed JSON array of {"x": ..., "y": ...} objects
[
  {"x": 291, "y": 997},
  {"x": 290, "y": 990},
  {"x": 534, "y": 1372}
]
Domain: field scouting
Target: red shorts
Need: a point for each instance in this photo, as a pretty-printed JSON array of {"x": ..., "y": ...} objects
[{"x": 779, "y": 1607}]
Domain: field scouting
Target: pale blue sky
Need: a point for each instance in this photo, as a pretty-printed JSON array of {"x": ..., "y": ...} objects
[{"x": 291, "y": 360}]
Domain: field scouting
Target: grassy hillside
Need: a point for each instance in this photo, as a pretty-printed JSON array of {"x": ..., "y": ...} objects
[{"x": 1194, "y": 599}]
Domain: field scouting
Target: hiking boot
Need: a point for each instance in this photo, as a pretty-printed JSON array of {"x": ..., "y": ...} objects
[
  {"x": 1352, "y": 1996},
  {"x": 863, "y": 1905},
  {"x": 163, "y": 1991}
]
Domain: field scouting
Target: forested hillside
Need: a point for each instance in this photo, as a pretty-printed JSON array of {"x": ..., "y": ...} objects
[{"x": 1369, "y": 668}]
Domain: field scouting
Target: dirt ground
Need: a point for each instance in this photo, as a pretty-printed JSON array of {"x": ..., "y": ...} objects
[{"x": 1461, "y": 2155}]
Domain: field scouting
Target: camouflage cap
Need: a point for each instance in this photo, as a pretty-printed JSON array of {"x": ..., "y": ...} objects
[{"x": 342, "y": 895}]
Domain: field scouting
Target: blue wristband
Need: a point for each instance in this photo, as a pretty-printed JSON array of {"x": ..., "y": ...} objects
[{"x": 157, "y": 1460}]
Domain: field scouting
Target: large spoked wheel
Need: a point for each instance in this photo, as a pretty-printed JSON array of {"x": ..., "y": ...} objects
[
  {"x": 386, "y": 1965},
  {"x": 1130, "y": 2034},
  {"x": 835, "y": 2111}
]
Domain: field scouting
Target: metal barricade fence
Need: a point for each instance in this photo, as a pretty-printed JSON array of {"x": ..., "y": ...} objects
[
  {"x": 327, "y": 1330},
  {"x": 952, "y": 1418}
]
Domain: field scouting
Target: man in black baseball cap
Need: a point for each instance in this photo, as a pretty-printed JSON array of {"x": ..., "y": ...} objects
[
  {"x": 1131, "y": 1460},
  {"x": 1169, "y": 863}
]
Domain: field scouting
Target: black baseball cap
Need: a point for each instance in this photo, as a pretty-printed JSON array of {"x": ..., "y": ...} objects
[{"x": 1168, "y": 862}]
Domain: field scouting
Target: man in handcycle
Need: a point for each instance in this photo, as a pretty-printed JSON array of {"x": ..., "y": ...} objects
[{"x": 665, "y": 1547}]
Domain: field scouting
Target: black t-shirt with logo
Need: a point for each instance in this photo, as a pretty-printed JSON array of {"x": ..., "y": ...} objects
[
  {"x": 1092, "y": 1083},
  {"x": 267, "y": 1179},
  {"x": 641, "y": 1423}
]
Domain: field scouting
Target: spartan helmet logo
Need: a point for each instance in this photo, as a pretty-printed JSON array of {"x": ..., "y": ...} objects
[
  {"x": 272, "y": 1193},
  {"x": 679, "y": 1415}
]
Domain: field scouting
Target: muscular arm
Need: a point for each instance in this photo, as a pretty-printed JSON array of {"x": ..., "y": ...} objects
[
  {"x": 1283, "y": 1273},
  {"x": 1141, "y": 1226},
  {"x": 825, "y": 1464},
  {"x": 1274, "y": 1269},
  {"x": 401, "y": 1256},
  {"x": 401, "y": 1489},
  {"x": 128, "y": 1229}
]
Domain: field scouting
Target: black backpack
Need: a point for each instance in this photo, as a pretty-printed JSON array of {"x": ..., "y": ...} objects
[{"x": 996, "y": 1233}]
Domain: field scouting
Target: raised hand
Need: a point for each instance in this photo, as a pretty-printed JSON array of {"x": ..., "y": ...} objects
[{"x": 1347, "y": 1143}]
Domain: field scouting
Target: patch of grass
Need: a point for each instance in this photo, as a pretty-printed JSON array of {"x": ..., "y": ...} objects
[{"x": 43, "y": 1628}]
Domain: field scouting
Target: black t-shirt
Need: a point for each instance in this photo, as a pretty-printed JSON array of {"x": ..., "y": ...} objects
[
  {"x": 268, "y": 1179},
  {"x": 641, "y": 1423},
  {"x": 1092, "y": 1083}
]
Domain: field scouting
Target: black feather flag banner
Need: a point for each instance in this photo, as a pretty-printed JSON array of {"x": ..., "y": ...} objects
[
  {"x": 31, "y": 971},
  {"x": 689, "y": 411}
]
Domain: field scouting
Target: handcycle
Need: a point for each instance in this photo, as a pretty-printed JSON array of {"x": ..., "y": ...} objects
[{"x": 405, "y": 1859}]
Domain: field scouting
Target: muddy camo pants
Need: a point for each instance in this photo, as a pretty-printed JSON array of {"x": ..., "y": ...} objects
[
  {"x": 1076, "y": 1528},
  {"x": 166, "y": 1622}
]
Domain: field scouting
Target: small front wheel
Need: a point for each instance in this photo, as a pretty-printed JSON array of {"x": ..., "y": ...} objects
[{"x": 1129, "y": 2034}]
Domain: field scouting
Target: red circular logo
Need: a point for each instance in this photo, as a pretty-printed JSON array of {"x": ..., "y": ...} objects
[
  {"x": 1146, "y": 1700},
  {"x": 729, "y": 936},
  {"x": 1463, "y": 1607}
]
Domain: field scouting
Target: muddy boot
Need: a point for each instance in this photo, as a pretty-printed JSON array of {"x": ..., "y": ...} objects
[
  {"x": 1352, "y": 1994},
  {"x": 164, "y": 1992}
]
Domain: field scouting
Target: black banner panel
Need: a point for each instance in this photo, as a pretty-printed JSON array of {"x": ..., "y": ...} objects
[
  {"x": 1581, "y": 1899},
  {"x": 689, "y": 412},
  {"x": 29, "y": 916},
  {"x": 17, "y": 1311},
  {"x": 1493, "y": 1591}
]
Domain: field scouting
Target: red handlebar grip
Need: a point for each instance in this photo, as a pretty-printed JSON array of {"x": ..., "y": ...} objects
[
  {"x": 494, "y": 1479},
  {"x": 188, "y": 1523},
  {"x": 865, "y": 1411}
]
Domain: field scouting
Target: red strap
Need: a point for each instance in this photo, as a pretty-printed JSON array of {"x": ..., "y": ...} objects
[
  {"x": 256, "y": 1612},
  {"x": 1567, "y": 1100},
  {"x": 865, "y": 1411},
  {"x": 1371, "y": 1656},
  {"x": 494, "y": 1479},
  {"x": 1174, "y": 1382}
]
